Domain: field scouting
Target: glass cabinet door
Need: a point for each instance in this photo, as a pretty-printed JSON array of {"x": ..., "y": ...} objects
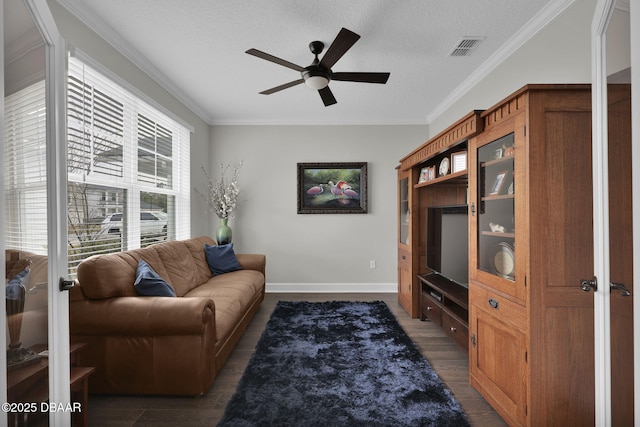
[
  {"x": 404, "y": 210},
  {"x": 494, "y": 214}
]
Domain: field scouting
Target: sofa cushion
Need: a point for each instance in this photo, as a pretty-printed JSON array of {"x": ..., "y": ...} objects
[
  {"x": 202, "y": 271},
  {"x": 149, "y": 283},
  {"x": 109, "y": 275},
  {"x": 221, "y": 258},
  {"x": 178, "y": 261},
  {"x": 231, "y": 293}
]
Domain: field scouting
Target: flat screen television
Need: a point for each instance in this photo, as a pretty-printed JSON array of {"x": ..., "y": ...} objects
[{"x": 447, "y": 242}]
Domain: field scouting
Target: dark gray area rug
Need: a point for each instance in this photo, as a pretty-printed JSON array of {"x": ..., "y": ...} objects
[{"x": 339, "y": 364}]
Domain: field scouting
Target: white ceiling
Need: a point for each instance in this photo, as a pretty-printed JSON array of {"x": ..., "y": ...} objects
[{"x": 196, "y": 48}]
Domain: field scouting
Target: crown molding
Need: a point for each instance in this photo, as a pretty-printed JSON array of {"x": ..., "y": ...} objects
[
  {"x": 531, "y": 28},
  {"x": 97, "y": 25}
]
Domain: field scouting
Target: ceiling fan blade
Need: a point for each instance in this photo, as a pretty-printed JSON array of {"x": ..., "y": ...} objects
[
  {"x": 361, "y": 77},
  {"x": 343, "y": 42},
  {"x": 327, "y": 96},
  {"x": 274, "y": 59},
  {"x": 281, "y": 87}
]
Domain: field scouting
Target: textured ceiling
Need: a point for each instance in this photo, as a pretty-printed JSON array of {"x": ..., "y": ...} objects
[{"x": 198, "y": 48}]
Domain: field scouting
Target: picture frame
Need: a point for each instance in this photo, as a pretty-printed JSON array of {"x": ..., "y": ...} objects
[
  {"x": 498, "y": 183},
  {"x": 332, "y": 188},
  {"x": 431, "y": 173},
  {"x": 458, "y": 161},
  {"x": 424, "y": 175}
]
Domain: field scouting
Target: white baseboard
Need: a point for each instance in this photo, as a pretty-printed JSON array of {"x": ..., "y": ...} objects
[{"x": 331, "y": 287}]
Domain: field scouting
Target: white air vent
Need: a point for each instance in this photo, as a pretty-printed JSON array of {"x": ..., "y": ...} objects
[{"x": 465, "y": 45}]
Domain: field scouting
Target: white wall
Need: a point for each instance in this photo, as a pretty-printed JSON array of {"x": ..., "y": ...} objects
[{"x": 315, "y": 248}]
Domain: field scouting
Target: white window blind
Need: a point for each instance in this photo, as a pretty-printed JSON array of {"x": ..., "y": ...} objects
[
  {"x": 95, "y": 130},
  {"x": 25, "y": 170},
  {"x": 128, "y": 169}
]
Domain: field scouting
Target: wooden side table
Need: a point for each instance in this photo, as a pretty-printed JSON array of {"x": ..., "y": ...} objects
[{"x": 30, "y": 384}]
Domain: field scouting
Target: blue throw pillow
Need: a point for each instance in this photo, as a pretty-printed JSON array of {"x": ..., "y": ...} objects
[
  {"x": 221, "y": 258},
  {"x": 148, "y": 283}
]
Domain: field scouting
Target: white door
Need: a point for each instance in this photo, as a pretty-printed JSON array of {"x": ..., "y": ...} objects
[
  {"x": 33, "y": 212},
  {"x": 615, "y": 152}
]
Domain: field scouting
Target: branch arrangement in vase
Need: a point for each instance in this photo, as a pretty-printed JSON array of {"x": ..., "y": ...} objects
[{"x": 222, "y": 195}]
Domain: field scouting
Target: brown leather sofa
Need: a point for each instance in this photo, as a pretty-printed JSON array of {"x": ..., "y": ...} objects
[{"x": 162, "y": 345}]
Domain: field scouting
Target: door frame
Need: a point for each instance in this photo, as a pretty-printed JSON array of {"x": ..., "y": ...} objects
[
  {"x": 602, "y": 15},
  {"x": 58, "y": 301},
  {"x": 58, "y": 321}
]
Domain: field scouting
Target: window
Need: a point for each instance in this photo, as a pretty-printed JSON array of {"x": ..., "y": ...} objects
[{"x": 128, "y": 169}]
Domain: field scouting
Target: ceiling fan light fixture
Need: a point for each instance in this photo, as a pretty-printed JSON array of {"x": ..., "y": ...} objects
[
  {"x": 316, "y": 78},
  {"x": 316, "y": 82}
]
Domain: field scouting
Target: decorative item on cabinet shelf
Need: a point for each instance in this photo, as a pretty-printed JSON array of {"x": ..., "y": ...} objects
[
  {"x": 498, "y": 183},
  {"x": 496, "y": 228},
  {"x": 458, "y": 161},
  {"x": 423, "y": 175},
  {"x": 503, "y": 260},
  {"x": 504, "y": 152},
  {"x": 427, "y": 174},
  {"x": 444, "y": 167}
]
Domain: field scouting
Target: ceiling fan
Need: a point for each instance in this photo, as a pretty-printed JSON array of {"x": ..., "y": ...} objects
[{"x": 318, "y": 75}]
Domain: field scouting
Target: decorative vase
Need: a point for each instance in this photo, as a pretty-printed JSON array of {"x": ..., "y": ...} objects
[{"x": 223, "y": 232}]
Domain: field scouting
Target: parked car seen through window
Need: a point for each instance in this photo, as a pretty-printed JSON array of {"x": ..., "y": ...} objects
[{"x": 151, "y": 223}]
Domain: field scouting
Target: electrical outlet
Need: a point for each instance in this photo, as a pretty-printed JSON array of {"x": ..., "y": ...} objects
[{"x": 372, "y": 263}]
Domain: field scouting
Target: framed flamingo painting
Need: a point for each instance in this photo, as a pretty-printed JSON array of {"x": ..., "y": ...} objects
[{"x": 332, "y": 188}]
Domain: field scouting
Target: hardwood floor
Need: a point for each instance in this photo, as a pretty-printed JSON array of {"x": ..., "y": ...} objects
[{"x": 446, "y": 357}]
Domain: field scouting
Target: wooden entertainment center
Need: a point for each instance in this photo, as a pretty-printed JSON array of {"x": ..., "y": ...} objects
[
  {"x": 423, "y": 183},
  {"x": 524, "y": 319}
]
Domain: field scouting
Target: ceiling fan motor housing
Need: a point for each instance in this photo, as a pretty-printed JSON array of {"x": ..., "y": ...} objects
[{"x": 315, "y": 75}]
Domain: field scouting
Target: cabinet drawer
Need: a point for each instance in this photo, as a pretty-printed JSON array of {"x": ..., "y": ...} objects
[
  {"x": 404, "y": 257},
  {"x": 507, "y": 311},
  {"x": 456, "y": 330},
  {"x": 431, "y": 308}
]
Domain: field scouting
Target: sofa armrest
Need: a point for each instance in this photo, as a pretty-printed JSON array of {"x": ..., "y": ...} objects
[
  {"x": 256, "y": 262},
  {"x": 141, "y": 316}
]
